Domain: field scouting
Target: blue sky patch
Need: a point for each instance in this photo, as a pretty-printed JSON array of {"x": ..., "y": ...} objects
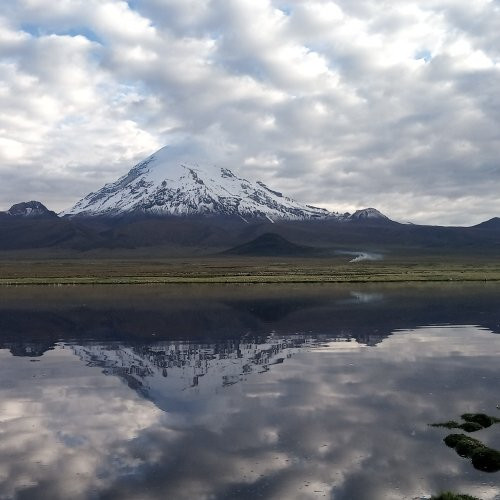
[
  {"x": 425, "y": 54},
  {"x": 37, "y": 31}
]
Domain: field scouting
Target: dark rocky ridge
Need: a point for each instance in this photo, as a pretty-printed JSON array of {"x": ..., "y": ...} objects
[{"x": 30, "y": 209}]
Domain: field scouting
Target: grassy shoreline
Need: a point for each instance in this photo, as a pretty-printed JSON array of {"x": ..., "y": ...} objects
[
  {"x": 244, "y": 271},
  {"x": 247, "y": 279}
]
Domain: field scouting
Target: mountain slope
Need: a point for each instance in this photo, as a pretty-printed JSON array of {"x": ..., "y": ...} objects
[
  {"x": 493, "y": 223},
  {"x": 162, "y": 186}
]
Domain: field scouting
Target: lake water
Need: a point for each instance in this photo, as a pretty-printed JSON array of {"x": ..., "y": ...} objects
[{"x": 275, "y": 392}]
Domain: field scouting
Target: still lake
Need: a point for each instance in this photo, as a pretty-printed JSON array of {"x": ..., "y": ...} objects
[{"x": 244, "y": 392}]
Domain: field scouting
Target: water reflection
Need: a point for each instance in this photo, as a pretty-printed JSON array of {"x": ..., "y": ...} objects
[
  {"x": 179, "y": 366},
  {"x": 366, "y": 313},
  {"x": 328, "y": 414}
]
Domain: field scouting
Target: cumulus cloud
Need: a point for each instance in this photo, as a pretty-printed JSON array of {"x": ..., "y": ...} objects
[{"x": 341, "y": 104}]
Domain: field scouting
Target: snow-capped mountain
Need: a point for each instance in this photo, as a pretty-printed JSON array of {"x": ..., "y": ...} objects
[{"x": 161, "y": 185}]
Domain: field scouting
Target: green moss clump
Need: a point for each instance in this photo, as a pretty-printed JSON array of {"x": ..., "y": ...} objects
[
  {"x": 472, "y": 422},
  {"x": 453, "y": 439},
  {"x": 480, "y": 418},
  {"x": 467, "y": 426},
  {"x": 471, "y": 427},
  {"x": 467, "y": 447},
  {"x": 486, "y": 459},
  {"x": 464, "y": 445},
  {"x": 451, "y": 424},
  {"x": 483, "y": 458},
  {"x": 448, "y": 495}
]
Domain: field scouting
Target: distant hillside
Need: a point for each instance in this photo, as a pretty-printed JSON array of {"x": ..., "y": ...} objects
[
  {"x": 271, "y": 244},
  {"x": 493, "y": 223},
  {"x": 208, "y": 234}
]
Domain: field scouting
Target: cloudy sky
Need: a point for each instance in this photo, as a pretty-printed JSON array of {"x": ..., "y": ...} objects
[{"x": 343, "y": 104}]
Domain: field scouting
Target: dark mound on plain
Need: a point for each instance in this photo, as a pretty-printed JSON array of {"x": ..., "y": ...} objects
[{"x": 271, "y": 244}]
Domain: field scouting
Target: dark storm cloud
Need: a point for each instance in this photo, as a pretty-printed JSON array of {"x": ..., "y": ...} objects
[{"x": 337, "y": 103}]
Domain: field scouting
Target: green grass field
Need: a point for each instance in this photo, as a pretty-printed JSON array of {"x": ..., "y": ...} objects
[{"x": 247, "y": 270}]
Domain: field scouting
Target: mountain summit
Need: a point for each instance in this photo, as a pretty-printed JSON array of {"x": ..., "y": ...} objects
[
  {"x": 160, "y": 185},
  {"x": 30, "y": 209},
  {"x": 368, "y": 214}
]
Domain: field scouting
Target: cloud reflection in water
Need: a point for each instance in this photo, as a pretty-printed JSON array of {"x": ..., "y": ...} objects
[{"x": 294, "y": 417}]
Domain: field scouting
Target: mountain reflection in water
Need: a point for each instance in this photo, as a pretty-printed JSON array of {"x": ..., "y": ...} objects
[
  {"x": 158, "y": 369},
  {"x": 338, "y": 411}
]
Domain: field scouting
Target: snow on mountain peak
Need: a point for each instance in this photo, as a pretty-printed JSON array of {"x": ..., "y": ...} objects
[{"x": 162, "y": 185}]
